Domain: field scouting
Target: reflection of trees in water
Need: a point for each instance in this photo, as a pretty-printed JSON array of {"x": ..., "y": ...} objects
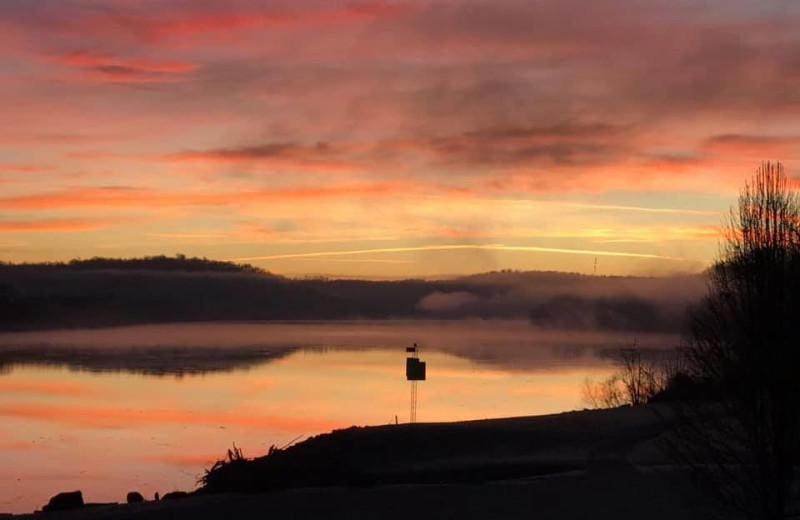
[
  {"x": 532, "y": 356},
  {"x": 526, "y": 350},
  {"x": 502, "y": 355},
  {"x": 151, "y": 361}
]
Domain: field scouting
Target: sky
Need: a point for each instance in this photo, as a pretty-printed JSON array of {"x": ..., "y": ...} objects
[{"x": 390, "y": 138}]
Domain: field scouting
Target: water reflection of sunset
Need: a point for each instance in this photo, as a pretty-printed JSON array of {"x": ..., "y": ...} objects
[
  {"x": 89, "y": 412},
  {"x": 108, "y": 432}
]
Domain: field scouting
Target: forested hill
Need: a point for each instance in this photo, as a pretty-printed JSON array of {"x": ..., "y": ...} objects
[
  {"x": 148, "y": 263},
  {"x": 104, "y": 292}
]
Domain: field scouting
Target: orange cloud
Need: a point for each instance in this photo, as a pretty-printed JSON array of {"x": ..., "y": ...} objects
[
  {"x": 24, "y": 168},
  {"x": 666, "y": 164},
  {"x": 135, "y": 197},
  {"x": 74, "y": 224},
  {"x": 180, "y": 236}
]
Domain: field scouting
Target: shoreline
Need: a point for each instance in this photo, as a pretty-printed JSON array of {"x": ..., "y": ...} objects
[{"x": 449, "y": 463}]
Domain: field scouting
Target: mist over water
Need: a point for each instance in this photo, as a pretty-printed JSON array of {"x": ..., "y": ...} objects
[
  {"x": 508, "y": 344},
  {"x": 147, "y": 408}
]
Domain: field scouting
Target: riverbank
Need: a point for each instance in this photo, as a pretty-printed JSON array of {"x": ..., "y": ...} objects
[{"x": 566, "y": 465}]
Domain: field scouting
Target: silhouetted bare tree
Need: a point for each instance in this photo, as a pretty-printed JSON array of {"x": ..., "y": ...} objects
[
  {"x": 608, "y": 393},
  {"x": 640, "y": 376},
  {"x": 743, "y": 438}
]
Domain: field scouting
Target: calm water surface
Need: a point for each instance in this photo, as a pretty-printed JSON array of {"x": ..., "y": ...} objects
[{"x": 147, "y": 408}]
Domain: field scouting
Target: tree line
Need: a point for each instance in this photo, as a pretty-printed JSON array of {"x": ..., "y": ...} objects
[{"x": 159, "y": 289}]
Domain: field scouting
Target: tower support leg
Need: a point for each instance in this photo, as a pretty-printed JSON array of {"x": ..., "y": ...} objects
[{"x": 413, "y": 414}]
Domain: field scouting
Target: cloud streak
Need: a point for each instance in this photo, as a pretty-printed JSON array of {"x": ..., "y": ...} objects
[
  {"x": 66, "y": 225},
  {"x": 457, "y": 247},
  {"x": 139, "y": 197}
]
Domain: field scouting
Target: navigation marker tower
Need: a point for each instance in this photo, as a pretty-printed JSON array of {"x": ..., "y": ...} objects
[{"x": 415, "y": 371}]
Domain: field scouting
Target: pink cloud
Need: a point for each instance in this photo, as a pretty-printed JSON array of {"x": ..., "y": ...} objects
[
  {"x": 103, "y": 67},
  {"x": 24, "y": 168},
  {"x": 764, "y": 146},
  {"x": 177, "y": 23}
]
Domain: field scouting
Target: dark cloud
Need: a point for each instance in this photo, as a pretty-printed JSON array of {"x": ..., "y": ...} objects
[
  {"x": 261, "y": 151},
  {"x": 785, "y": 146},
  {"x": 564, "y": 145}
]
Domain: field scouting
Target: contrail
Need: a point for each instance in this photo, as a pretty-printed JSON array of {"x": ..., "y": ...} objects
[
  {"x": 610, "y": 207},
  {"x": 584, "y": 205},
  {"x": 453, "y": 247}
]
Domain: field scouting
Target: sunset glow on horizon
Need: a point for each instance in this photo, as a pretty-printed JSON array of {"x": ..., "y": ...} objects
[{"x": 390, "y": 138}]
